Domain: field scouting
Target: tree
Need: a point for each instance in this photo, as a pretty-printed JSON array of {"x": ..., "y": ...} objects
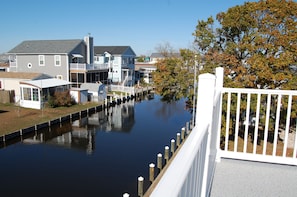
[
  {"x": 256, "y": 43},
  {"x": 174, "y": 77}
]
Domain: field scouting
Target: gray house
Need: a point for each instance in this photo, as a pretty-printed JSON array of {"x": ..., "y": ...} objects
[
  {"x": 70, "y": 60},
  {"x": 120, "y": 63}
]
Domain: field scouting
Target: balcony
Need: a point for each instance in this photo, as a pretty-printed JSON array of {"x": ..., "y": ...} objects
[
  {"x": 244, "y": 143},
  {"x": 87, "y": 67}
]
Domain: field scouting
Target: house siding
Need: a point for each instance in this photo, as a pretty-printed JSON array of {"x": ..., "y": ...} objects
[{"x": 49, "y": 65}]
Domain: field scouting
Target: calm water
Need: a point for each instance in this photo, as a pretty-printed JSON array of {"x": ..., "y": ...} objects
[{"x": 97, "y": 156}]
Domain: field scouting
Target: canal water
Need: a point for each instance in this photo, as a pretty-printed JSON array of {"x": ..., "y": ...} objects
[{"x": 100, "y": 155}]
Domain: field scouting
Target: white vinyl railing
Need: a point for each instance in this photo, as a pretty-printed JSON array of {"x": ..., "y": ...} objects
[
  {"x": 191, "y": 171},
  {"x": 83, "y": 66},
  {"x": 120, "y": 88},
  {"x": 259, "y": 125},
  {"x": 248, "y": 124}
]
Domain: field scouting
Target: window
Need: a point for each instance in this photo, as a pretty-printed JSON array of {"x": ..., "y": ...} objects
[
  {"x": 57, "y": 60},
  {"x": 35, "y": 94},
  {"x": 59, "y": 76},
  {"x": 27, "y": 94},
  {"x": 41, "y": 60}
]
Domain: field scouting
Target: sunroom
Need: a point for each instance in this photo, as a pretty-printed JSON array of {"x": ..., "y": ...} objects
[{"x": 35, "y": 93}]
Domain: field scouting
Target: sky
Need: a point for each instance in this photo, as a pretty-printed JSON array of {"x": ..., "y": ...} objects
[{"x": 142, "y": 24}]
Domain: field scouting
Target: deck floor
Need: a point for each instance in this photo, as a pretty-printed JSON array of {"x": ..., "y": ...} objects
[{"x": 243, "y": 178}]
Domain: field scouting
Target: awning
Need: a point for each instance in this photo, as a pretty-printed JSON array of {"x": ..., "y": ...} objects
[
  {"x": 77, "y": 55},
  {"x": 46, "y": 83}
]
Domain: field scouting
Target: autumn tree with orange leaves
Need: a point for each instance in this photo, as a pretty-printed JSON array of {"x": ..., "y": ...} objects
[{"x": 256, "y": 43}]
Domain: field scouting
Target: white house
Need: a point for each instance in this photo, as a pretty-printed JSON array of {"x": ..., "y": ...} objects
[{"x": 120, "y": 63}]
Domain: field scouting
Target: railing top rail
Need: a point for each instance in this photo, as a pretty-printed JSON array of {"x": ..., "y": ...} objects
[
  {"x": 259, "y": 91},
  {"x": 172, "y": 181}
]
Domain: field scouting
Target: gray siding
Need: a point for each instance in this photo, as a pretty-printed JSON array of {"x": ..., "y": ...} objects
[{"x": 48, "y": 68}]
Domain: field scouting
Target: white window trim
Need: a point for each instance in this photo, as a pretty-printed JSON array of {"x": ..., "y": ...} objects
[
  {"x": 41, "y": 57},
  {"x": 57, "y": 59}
]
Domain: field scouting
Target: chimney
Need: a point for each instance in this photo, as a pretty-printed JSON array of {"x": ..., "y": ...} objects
[{"x": 90, "y": 48}]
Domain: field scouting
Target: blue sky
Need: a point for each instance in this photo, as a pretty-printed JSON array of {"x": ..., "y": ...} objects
[{"x": 141, "y": 24}]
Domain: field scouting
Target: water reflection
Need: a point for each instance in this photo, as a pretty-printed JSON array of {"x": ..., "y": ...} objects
[{"x": 100, "y": 155}]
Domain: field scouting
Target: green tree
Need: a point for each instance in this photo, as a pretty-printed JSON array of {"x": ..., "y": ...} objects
[{"x": 174, "y": 77}]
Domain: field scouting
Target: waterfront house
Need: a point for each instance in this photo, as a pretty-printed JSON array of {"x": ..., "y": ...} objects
[
  {"x": 120, "y": 63},
  {"x": 143, "y": 71},
  {"x": 70, "y": 60}
]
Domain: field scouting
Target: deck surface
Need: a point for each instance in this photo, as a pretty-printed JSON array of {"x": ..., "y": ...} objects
[{"x": 243, "y": 178}]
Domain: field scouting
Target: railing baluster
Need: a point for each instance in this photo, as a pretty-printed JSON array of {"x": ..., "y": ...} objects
[
  {"x": 237, "y": 122},
  {"x": 247, "y": 122},
  {"x": 266, "y": 123},
  {"x": 295, "y": 144},
  {"x": 227, "y": 122},
  {"x": 287, "y": 125},
  {"x": 279, "y": 99},
  {"x": 257, "y": 123}
]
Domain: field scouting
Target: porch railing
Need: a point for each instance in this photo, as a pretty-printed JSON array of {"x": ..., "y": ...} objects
[
  {"x": 85, "y": 67},
  {"x": 259, "y": 125},
  {"x": 249, "y": 124}
]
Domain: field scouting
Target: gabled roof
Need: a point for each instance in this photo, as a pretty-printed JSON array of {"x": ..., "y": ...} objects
[
  {"x": 114, "y": 50},
  {"x": 23, "y": 75},
  {"x": 45, "y": 47}
]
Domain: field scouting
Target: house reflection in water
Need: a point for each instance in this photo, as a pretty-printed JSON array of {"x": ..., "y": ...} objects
[{"x": 80, "y": 134}]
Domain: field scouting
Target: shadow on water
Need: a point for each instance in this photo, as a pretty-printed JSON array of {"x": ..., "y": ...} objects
[{"x": 100, "y": 155}]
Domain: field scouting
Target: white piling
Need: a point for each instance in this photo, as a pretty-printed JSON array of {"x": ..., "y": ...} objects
[
  {"x": 177, "y": 139},
  {"x": 159, "y": 161},
  {"x": 152, "y": 172},
  {"x": 172, "y": 146},
  {"x": 166, "y": 153},
  {"x": 140, "y": 186}
]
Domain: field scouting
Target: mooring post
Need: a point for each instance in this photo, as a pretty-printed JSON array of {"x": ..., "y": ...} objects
[
  {"x": 152, "y": 172},
  {"x": 140, "y": 186},
  {"x": 166, "y": 153},
  {"x": 177, "y": 139},
  {"x": 172, "y": 146},
  {"x": 159, "y": 161},
  {"x": 183, "y": 130}
]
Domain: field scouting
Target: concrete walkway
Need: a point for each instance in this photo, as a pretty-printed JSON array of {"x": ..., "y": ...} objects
[{"x": 235, "y": 178}]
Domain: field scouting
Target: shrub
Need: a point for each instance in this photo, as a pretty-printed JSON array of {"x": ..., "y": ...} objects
[{"x": 61, "y": 99}]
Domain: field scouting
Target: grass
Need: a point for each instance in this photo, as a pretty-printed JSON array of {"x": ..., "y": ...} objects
[{"x": 13, "y": 118}]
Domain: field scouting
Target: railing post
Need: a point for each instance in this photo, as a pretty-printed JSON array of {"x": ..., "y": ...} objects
[
  {"x": 204, "y": 113},
  {"x": 218, "y": 115}
]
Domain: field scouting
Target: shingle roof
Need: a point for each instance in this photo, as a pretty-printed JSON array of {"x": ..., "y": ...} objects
[
  {"x": 115, "y": 50},
  {"x": 45, "y": 46},
  {"x": 23, "y": 75}
]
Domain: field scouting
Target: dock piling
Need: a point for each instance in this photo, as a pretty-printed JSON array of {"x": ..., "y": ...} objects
[
  {"x": 152, "y": 172},
  {"x": 140, "y": 186},
  {"x": 159, "y": 161}
]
